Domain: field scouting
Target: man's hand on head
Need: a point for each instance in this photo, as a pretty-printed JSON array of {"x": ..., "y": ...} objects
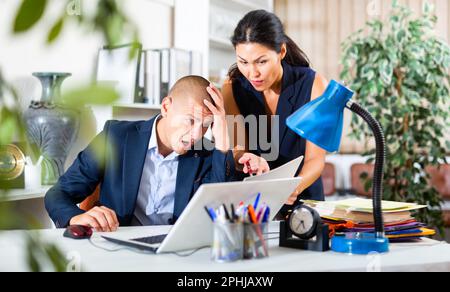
[
  {"x": 219, "y": 126},
  {"x": 101, "y": 219}
]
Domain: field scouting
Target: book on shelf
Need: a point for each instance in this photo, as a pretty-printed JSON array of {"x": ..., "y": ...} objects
[
  {"x": 151, "y": 77},
  {"x": 162, "y": 68}
]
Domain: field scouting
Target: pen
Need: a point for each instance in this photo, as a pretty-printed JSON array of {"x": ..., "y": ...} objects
[
  {"x": 266, "y": 215},
  {"x": 227, "y": 215},
  {"x": 251, "y": 212},
  {"x": 261, "y": 212},
  {"x": 211, "y": 214},
  {"x": 255, "y": 205},
  {"x": 238, "y": 210},
  {"x": 234, "y": 217}
]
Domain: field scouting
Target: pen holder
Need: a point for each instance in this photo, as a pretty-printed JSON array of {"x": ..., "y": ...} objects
[
  {"x": 255, "y": 243},
  {"x": 227, "y": 242}
]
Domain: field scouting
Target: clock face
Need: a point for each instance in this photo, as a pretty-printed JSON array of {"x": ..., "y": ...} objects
[
  {"x": 12, "y": 162},
  {"x": 302, "y": 222}
]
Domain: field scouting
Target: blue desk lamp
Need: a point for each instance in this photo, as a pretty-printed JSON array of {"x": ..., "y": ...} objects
[{"x": 320, "y": 122}]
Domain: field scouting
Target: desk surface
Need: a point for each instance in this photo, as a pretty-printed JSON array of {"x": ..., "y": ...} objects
[{"x": 427, "y": 255}]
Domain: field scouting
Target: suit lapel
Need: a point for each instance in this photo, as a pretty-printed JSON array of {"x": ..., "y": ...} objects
[
  {"x": 134, "y": 158},
  {"x": 187, "y": 169}
]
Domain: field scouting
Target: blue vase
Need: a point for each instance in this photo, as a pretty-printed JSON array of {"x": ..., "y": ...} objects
[{"x": 51, "y": 127}]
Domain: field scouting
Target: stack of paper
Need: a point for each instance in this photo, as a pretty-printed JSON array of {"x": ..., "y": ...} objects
[{"x": 356, "y": 215}]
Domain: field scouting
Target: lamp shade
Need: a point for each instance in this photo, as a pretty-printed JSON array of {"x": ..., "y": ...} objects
[{"x": 321, "y": 120}]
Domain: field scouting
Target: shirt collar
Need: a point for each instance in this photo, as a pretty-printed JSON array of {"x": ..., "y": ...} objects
[
  {"x": 154, "y": 138},
  {"x": 153, "y": 144}
]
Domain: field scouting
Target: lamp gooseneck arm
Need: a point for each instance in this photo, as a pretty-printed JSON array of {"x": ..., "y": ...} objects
[{"x": 377, "y": 187}]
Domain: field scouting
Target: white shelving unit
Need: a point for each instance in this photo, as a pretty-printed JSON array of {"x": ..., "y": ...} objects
[
  {"x": 20, "y": 195},
  {"x": 30, "y": 202},
  {"x": 223, "y": 19},
  {"x": 124, "y": 112},
  {"x": 210, "y": 31},
  {"x": 141, "y": 106}
]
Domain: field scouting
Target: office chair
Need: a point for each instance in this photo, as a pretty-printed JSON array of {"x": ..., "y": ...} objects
[
  {"x": 329, "y": 179},
  {"x": 357, "y": 185},
  {"x": 440, "y": 179},
  {"x": 91, "y": 201}
]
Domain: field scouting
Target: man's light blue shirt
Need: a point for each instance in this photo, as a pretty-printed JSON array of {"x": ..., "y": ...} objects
[{"x": 156, "y": 196}]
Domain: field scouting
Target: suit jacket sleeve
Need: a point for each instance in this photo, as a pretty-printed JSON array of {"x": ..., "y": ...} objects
[
  {"x": 78, "y": 182},
  {"x": 223, "y": 168}
]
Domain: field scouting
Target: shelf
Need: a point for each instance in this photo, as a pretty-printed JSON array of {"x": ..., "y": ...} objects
[
  {"x": 138, "y": 106},
  {"x": 20, "y": 195}
]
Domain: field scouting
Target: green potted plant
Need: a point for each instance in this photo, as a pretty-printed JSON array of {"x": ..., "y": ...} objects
[
  {"x": 113, "y": 25},
  {"x": 399, "y": 70}
]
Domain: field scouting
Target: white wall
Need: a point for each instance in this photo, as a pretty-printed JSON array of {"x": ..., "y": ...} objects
[
  {"x": 192, "y": 33},
  {"x": 76, "y": 49}
]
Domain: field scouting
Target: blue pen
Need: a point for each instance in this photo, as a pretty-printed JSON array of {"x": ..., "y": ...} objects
[
  {"x": 255, "y": 205},
  {"x": 266, "y": 215},
  {"x": 211, "y": 213}
]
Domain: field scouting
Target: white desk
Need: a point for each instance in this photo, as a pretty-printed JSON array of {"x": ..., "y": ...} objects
[{"x": 426, "y": 256}]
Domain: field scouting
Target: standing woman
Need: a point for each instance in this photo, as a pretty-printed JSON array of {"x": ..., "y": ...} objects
[{"x": 273, "y": 77}]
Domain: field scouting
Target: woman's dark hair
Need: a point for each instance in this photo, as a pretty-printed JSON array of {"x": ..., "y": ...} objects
[{"x": 265, "y": 28}]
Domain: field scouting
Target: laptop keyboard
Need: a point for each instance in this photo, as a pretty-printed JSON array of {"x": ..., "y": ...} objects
[{"x": 151, "y": 239}]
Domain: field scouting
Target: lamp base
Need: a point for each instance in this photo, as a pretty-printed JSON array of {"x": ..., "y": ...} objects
[{"x": 359, "y": 243}]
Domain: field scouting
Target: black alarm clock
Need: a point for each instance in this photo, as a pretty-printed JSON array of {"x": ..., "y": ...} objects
[
  {"x": 304, "y": 229},
  {"x": 303, "y": 222}
]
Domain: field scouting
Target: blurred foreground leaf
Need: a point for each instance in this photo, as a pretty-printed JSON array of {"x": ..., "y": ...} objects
[
  {"x": 90, "y": 95},
  {"x": 29, "y": 13}
]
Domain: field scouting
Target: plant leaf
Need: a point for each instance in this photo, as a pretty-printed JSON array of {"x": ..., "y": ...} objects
[
  {"x": 55, "y": 31},
  {"x": 29, "y": 13},
  {"x": 94, "y": 94},
  {"x": 8, "y": 127}
]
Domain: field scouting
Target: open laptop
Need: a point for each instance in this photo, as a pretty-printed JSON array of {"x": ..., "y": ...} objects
[{"x": 194, "y": 228}]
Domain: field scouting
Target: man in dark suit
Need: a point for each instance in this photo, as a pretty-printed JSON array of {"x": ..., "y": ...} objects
[{"x": 148, "y": 171}]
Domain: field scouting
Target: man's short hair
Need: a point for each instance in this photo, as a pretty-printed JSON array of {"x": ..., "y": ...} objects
[{"x": 191, "y": 87}]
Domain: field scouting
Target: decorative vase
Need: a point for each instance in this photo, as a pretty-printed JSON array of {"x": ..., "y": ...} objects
[{"x": 51, "y": 127}]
